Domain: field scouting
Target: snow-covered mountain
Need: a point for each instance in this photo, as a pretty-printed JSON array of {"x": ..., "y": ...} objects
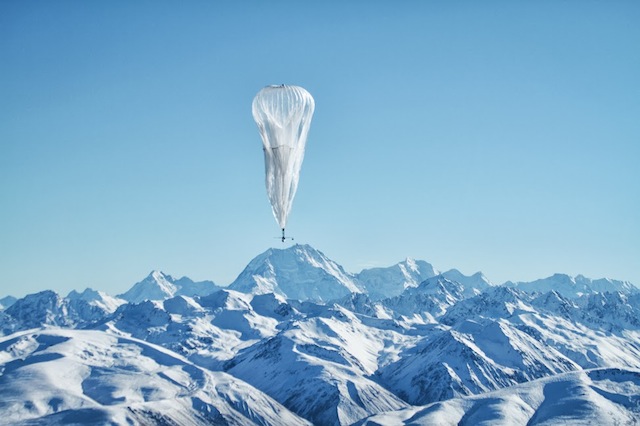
[
  {"x": 473, "y": 284},
  {"x": 473, "y": 359},
  {"x": 91, "y": 377},
  {"x": 97, "y": 298},
  {"x": 435, "y": 295},
  {"x": 7, "y": 301},
  {"x": 44, "y": 308},
  {"x": 574, "y": 287},
  {"x": 590, "y": 397},
  {"x": 319, "y": 367},
  {"x": 159, "y": 286},
  {"x": 48, "y": 308},
  {"x": 299, "y": 272},
  {"x": 298, "y": 338},
  {"x": 381, "y": 283}
]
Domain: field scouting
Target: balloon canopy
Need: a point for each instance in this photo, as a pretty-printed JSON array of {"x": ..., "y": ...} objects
[{"x": 283, "y": 115}]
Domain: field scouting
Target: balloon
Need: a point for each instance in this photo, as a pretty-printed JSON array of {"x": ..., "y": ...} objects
[{"x": 283, "y": 115}]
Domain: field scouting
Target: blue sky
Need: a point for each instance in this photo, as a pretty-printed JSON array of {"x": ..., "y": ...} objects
[{"x": 496, "y": 136}]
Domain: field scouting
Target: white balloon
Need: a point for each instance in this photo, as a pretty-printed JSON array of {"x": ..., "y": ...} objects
[{"x": 283, "y": 114}]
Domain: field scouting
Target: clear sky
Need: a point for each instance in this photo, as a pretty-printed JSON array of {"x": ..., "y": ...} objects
[{"x": 498, "y": 136}]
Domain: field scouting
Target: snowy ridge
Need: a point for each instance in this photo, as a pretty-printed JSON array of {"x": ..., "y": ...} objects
[
  {"x": 318, "y": 368},
  {"x": 574, "y": 287},
  {"x": 159, "y": 286},
  {"x": 298, "y": 338},
  {"x": 99, "y": 298}
]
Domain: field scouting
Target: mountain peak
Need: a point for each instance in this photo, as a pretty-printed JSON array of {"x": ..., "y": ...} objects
[
  {"x": 7, "y": 301},
  {"x": 298, "y": 272},
  {"x": 87, "y": 294},
  {"x": 160, "y": 286},
  {"x": 156, "y": 286},
  {"x": 33, "y": 310},
  {"x": 158, "y": 275}
]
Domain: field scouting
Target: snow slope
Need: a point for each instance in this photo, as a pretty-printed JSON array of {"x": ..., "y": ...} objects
[
  {"x": 319, "y": 367},
  {"x": 72, "y": 376},
  {"x": 590, "y": 397}
]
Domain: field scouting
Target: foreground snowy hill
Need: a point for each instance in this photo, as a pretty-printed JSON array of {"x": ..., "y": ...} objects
[
  {"x": 298, "y": 337},
  {"x": 590, "y": 397},
  {"x": 91, "y": 377}
]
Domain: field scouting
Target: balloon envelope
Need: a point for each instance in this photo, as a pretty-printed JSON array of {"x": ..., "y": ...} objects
[{"x": 283, "y": 115}]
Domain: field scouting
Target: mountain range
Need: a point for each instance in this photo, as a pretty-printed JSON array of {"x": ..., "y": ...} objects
[{"x": 296, "y": 339}]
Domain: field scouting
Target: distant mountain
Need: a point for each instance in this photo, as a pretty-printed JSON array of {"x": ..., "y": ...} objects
[
  {"x": 494, "y": 303},
  {"x": 611, "y": 311},
  {"x": 573, "y": 287},
  {"x": 473, "y": 284},
  {"x": 381, "y": 283},
  {"x": 43, "y": 308},
  {"x": 187, "y": 287},
  {"x": 360, "y": 303},
  {"x": 435, "y": 295},
  {"x": 159, "y": 286},
  {"x": 99, "y": 299},
  {"x": 49, "y": 308},
  {"x": 7, "y": 301},
  {"x": 299, "y": 272},
  {"x": 431, "y": 299}
]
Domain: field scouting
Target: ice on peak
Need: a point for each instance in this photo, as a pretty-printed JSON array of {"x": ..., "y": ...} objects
[
  {"x": 160, "y": 276},
  {"x": 412, "y": 264}
]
